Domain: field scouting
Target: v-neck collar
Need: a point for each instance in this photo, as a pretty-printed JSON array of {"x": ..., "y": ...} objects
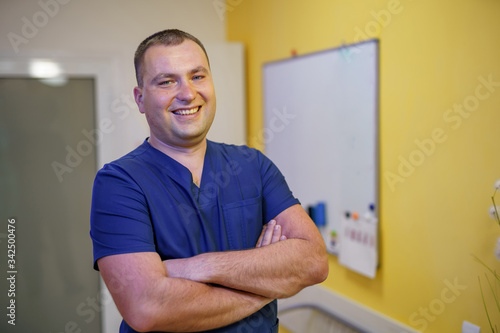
[{"x": 181, "y": 174}]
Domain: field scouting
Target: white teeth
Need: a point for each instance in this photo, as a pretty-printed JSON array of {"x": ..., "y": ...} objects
[{"x": 187, "y": 112}]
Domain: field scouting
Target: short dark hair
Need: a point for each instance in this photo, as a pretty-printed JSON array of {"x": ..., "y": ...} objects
[{"x": 167, "y": 37}]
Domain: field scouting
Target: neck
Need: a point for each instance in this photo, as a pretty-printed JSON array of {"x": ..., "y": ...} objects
[{"x": 192, "y": 156}]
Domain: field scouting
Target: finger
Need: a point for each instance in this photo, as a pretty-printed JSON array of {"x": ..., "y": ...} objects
[
  {"x": 268, "y": 233},
  {"x": 276, "y": 234},
  {"x": 261, "y": 237},
  {"x": 259, "y": 241}
]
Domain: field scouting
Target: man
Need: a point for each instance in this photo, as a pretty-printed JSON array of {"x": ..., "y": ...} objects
[{"x": 179, "y": 224}]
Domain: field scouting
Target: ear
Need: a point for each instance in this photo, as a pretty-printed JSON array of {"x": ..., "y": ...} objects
[{"x": 139, "y": 99}]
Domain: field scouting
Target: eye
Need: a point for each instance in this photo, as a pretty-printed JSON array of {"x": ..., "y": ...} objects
[
  {"x": 198, "y": 77},
  {"x": 166, "y": 82}
]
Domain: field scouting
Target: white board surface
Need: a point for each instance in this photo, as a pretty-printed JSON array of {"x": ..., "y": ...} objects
[{"x": 321, "y": 127}]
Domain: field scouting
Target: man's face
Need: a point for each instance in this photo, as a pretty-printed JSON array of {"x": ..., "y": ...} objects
[{"x": 178, "y": 95}]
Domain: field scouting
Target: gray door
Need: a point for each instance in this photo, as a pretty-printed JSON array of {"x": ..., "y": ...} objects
[{"x": 47, "y": 165}]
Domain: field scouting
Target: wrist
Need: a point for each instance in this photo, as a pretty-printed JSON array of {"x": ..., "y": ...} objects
[
  {"x": 197, "y": 268},
  {"x": 201, "y": 268}
]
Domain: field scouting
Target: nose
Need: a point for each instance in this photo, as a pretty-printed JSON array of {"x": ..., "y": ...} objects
[{"x": 186, "y": 92}]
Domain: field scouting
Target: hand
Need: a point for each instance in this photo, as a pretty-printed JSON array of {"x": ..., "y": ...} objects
[
  {"x": 184, "y": 267},
  {"x": 271, "y": 233}
]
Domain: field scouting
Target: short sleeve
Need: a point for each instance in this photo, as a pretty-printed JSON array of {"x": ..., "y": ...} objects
[
  {"x": 119, "y": 220},
  {"x": 277, "y": 195}
]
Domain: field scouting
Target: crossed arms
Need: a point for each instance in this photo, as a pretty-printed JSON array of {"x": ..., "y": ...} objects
[{"x": 216, "y": 289}]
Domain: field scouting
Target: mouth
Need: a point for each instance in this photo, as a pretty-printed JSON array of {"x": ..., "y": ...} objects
[{"x": 186, "y": 112}]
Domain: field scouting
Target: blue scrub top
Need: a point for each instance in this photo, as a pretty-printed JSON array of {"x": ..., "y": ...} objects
[{"x": 147, "y": 202}]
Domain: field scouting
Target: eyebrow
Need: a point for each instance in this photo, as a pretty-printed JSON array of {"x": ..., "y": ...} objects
[{"x": 198, "y": 69}]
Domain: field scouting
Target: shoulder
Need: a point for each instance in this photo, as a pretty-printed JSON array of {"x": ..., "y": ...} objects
[
  {"x": 127, "y": 167},
  {"x": 136, "y": 158},
  {"x": 241, "y": 153}
]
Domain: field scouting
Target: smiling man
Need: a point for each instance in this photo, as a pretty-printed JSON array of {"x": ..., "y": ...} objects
[{"x": 180, "y": 249}]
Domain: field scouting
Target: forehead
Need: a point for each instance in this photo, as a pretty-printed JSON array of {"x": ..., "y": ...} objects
[{"x": 184, "y": 56}]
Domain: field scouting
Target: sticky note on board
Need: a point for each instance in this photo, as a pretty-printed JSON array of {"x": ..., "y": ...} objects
[{"x": 358, "y": 244}]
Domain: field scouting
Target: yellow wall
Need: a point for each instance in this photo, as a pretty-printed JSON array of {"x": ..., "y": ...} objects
[{"x": 434, "y": 56}]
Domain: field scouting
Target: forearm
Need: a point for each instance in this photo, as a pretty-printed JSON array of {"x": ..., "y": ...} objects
[
  {"x": 191, "y": 306},
  {"x": 153, "y": 301},
  {"x": 279, "y": 270}
]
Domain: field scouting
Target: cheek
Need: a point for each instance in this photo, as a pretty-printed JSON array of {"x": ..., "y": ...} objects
[
  {"x": 157, "y": 100},
  {"x": 157, "y": 118},
  {"x": 156, "y": 111},
  {"x": 158, "y": 103}
]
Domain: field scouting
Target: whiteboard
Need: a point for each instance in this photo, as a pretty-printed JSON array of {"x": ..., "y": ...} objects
[{"x": 321, "y": 127}]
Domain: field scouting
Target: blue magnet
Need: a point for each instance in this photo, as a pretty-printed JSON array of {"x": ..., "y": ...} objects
[{"x": 320, "y": 214}]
